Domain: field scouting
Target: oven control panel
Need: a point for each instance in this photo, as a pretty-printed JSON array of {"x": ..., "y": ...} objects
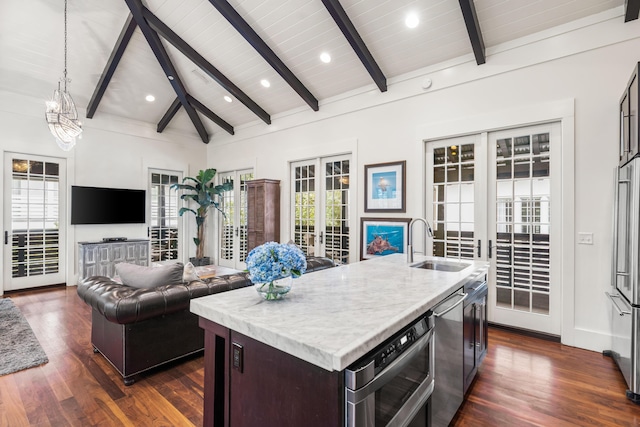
[{"x": 389, "y": 351}]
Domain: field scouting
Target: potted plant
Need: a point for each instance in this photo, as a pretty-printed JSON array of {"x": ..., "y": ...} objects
[{"x": 205, "y": 194}]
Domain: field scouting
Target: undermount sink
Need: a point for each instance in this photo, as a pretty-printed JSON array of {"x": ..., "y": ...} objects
[{"x": 442, "y": 265}]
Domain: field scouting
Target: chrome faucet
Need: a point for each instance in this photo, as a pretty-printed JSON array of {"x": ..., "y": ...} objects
[{"x": 409, "y": 242}]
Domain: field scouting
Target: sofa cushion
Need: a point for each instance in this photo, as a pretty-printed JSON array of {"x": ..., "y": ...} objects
[{"x": 141, "y": 277}]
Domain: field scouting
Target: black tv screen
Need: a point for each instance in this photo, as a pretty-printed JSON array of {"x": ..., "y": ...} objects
[{"x": 95, "y": 205}]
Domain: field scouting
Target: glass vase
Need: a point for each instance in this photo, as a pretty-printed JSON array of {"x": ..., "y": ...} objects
[{"x": 276, "y": 289}]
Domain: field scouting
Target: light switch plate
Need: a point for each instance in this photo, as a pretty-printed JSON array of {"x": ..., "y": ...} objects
[{"x": 585, "y": 238}]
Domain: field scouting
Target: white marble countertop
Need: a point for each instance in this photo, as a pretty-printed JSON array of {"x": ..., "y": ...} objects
[{"x": 333, "y": 317}]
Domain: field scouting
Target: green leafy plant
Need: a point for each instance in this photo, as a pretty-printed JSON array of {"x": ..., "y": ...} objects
[{"x": 202, "y": 191}]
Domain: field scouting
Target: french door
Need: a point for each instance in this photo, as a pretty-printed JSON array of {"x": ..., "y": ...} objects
[
  {"x": 496, "y": 196},
  {"x": 321, "y": 221},
  {"x": 233, "y": 225},
  {"x": 34, "y": 221}
]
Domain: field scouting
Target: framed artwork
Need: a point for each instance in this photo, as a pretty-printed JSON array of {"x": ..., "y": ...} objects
[
  {"x": 384, "y": 187},
  {"x": 383, "y": 236}
]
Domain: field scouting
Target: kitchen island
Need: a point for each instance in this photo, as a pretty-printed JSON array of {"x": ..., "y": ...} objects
[{"x": 259, "y": 355}]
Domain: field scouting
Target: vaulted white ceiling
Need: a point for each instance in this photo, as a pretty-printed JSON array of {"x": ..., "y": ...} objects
[{"x": 297, "y": 31}]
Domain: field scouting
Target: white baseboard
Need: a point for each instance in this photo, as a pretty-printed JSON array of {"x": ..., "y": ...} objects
[{"x": 590, "y": 340}]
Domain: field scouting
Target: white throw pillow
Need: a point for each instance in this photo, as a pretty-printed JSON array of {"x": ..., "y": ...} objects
[
  {"x": 139, "y": 276},
  {"x": 189, "y": 274}
]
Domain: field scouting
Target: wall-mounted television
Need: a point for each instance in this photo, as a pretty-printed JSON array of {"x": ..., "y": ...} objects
[{"x": 97, "y": 205}]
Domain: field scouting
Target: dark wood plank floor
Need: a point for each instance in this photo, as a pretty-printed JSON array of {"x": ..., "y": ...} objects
[{"x": 524, "y": 381}]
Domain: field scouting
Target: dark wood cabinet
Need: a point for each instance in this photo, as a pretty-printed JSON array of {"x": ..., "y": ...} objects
[
  {"x": 263, "y": 212},
  {"x": 248, "y": 383},
  {"x": 629, "y": 131},
  {"x": 475, "y": 335}
]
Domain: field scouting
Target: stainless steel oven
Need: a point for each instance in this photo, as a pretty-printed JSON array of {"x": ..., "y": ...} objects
[{"x": 392, "y": 385}]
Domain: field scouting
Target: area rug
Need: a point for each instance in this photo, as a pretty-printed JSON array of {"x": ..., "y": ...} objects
[{"x": 19, "y": 347}]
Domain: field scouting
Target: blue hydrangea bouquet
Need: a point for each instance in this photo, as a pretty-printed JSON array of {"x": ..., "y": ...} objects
[{"x": 271, "y": 267}]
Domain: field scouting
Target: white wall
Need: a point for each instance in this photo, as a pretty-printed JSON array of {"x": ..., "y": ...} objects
[
  {"x": 113, "y": 152},
  {"x": 580, "y": 69}
]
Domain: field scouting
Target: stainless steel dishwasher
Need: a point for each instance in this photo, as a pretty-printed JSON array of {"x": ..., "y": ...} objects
[{"x": 448, "y": 392}]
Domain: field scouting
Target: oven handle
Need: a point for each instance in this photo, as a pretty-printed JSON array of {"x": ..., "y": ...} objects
[
  {"x": 391, "y": 371},
  {"x": 459, "y": 294},
  {"x": 620, "y": 311},
  {"x": 417, "y": 400}
]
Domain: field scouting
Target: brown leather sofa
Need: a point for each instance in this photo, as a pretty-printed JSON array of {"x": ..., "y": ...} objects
[{"x": 139, "y": 329}]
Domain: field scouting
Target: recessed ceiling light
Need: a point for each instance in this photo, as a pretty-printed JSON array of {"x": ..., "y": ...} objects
[
  {"x": 150, "y": 98},
  {"x": 265, "y": 83},
  {"x": 228, "y": 98},
  {"x": 412, "y": 20},
  {"x": 325, "y": 57}
]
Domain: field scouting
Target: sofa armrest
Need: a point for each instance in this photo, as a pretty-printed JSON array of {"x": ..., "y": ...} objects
[{"x": 124, "y": 304}]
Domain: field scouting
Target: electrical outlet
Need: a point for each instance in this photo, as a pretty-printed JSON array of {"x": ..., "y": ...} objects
[{"x": 585, "y": 238}]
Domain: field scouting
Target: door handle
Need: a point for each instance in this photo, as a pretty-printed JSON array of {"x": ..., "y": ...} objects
[
  {"x": 6, "y": 237},
  {"x": 489, "y": 250},
  {"x": 616, "y": 211},
  {"x": 237, "y": 232},
  {"x": 479, "y": 248},
  {"x": 464, "y": 297},
  {"x": 620, "y": 311},
  {"x": 321, "y": 237}
]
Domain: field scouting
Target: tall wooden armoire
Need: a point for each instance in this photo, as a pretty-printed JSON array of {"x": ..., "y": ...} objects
[{"x": 263, "y": 212}]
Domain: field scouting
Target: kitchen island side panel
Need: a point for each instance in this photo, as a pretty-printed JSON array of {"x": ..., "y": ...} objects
[
  {"x": 271, "y": 388},
  {"x": 216, "y": 374},
  {"x": 275, "y": 388}
]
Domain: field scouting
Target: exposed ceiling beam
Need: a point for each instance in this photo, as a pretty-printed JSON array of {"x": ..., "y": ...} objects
[
  {"x": 210, "y": 114},
  {"x": 351, "y": 34},
  {"x": 175, "y": 106},
  {"x": 631, "y": 10},
  {"x": 169, "y": 35},
  {"x": 173, "y": 109},
  {"x": 119, "y": 48},
  {"x": 265, "y": 51},
  {"x": 473, "y": 28},
  {"x": 135, "y": 6}
]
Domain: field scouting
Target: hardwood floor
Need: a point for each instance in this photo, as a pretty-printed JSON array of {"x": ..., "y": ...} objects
[{"x": 524, "y": 381}]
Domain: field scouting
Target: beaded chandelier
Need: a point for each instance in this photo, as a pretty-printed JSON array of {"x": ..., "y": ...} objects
[{"x": 61, "y": 113}]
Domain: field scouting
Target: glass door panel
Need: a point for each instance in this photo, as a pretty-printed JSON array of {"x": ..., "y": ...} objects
[
  {"x": 455, "y": 197},
  {"x": 304, "y": 218},
  {"x": 164, "y": 234},
  {"x": 233, "y": 224},
  {"x": 336, "y": 209}
]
